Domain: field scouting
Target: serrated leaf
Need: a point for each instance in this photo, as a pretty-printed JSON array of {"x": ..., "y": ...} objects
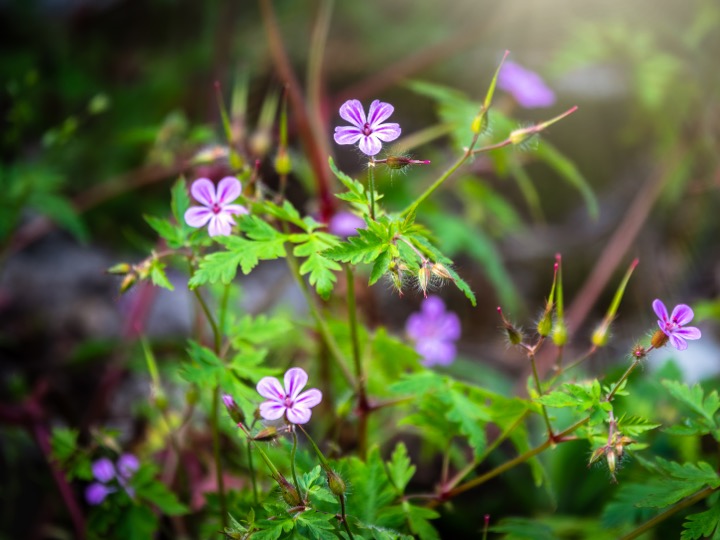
[
  {"x": 382, "y": 263},
  {"x": 676, "y": 482},
  {"x": 417, "y": 518},
  {"x": 701, "y": 525},
  {"x": 399, "y": 468},
  {"x": 318, "y": 265},
  {"x": 524, "y": 529},
  {"x": 632, "y": 426},
  {"x": 371, "y": 488},
  {"x": 158, "y": 276},
  {"x": 695, "y": 398},
  {"x": 364, "y": 247}
]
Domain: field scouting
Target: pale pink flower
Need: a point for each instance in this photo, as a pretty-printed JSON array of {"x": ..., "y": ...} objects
[
  {"x": 369, "y": 131},
  {"x": 288, "y": 401},
  {"x": 674, "y": 325},
  {"x": 216, "y": 208}
]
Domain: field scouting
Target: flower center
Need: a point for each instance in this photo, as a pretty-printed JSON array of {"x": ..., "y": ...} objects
[
  {"x": 216, "y": 208},
  {"x": 367, "y": 130},
  {"x": 288, "y": 402}
]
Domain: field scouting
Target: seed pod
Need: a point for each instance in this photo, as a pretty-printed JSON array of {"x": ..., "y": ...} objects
[{"x": 335, "y": 483}]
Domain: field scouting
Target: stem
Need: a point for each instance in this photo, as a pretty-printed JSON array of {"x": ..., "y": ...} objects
[
  {"x": 217, "y": 338},
  {"x": 363, "y": 408},
  {"x": 622, "y": 380},
  {"x": 700, "y": 495},
  {"x": 371, "y": 187},
  {"x": 327, "y": 336},
  {"x": 292, "y": 461},
  {"x": 253, "y": 480},
  {"x": 531, "y": 354},
  {"x": 343, "y": 517},
  {"x": 522, "y": 458},
  {"x": 216, "y": 455}
]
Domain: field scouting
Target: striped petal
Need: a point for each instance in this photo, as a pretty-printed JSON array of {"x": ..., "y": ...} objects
[
  {"x": 228, "y": 190},
  {"x": 370, "y": 145},
  {"x": 269, "y": 388},
  {"x": 295, "y": 381},
  {"x": 198, "y": 216},
  {"x": 203, "y": 191},
  {"x": 352, "y": 111},
  {"x": 378, "y": 113},
  {"x": 347, "y": 135},
  {"x": 298, "y": 415},
  {"x": 271, "y": 410}
]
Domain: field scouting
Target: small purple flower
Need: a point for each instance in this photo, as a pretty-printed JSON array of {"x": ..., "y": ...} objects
[
  {"x": 96, "y": 492},
  {"x": 127, "y": 465},
  {"x": 288, "y": 401},
  {"x": 674, "y": 325},
  {"x": 103, "y": 470},
  {"x": 370, "y": 130},
  {"x": 527, "y": 87},
  {"x": 345, "y": 224},
  {"x": 434, "y": 331},
  {"x": 216, "y": 207}
]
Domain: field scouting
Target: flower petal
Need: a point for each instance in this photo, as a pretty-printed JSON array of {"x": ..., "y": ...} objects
[
  {"x": 682, "y": 314},
  {"x": 271, "y": 410},
  {"x": 203, "y": 191},
  {"x": 378, "y": 113},
  {"x": 660, "y": 310},
  {"x": 127, "y": 465},
  {"x": 353, "y": 112},
  {"x": 370, "y": 145},
  {"x": 308, "y": 399},
  {"x": 295, "y": 380},
  {"x": 221, "y": 224},
  {"x": 198, "y": 216},
  {"x": 270, "y": 388},
  {"x": 678, "y": 342},
  {"x": 689, "y": 332},
  {"x": 96, "y": 493},
  {"x": 298, "y": 415},
  {"x": 236, "y": 209},
  {"x": 347, "y": 135},
  {"x": 449, "y": 326},
  {"x": 433, "y": 307},
  {"x": 436, "y": 351},
  {"x": 103, "y": 470},
  {"x": 228, "y": 190},
  {"x": 416, "y": 326},
  {"x": 387, "y": 132}
]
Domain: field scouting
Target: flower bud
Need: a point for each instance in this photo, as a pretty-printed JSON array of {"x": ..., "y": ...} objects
[
  {"x": 601, "y": 334},
  {"x": 267, "y": 434},
  {"x": 611, "y": 457},
  {"x": 235, "y": 412},
  {"x": 480, "y": 122},
  {"x": 335, "y": 483},
  {"x": 283, "y": 164},
  {"x": 119, "y": 269},
  {"x": 127, "y": 282},
  {"x": 400, "y": 162},
  {"x": 559, "y": 333},
  {"x": 659, "y": 339},
  {"x": 440, "y": 271},
  {"x": 544, "y": 325},
  {"x": 424, "y": 279},
  {"x": 514, "y": 335},
  {"x": 638, "y": 351},
  {"x": 289, "y": 492}
]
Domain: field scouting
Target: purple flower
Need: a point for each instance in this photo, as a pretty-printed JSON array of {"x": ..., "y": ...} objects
[
  {"x": 369, "y": 131},
  {"x": 527, "y": 87},
  {"x": 674, "y": 325},
  {"x": 103, "y": 470},
  {"x": 96, "y": 492},
  {"x": 434, "y": 331},
  {"x": 127, "y": 465},
  {"x": 345, "y": 224},
  {"x": 215, "y": 205},
  {"x": 288, "y": 401}
]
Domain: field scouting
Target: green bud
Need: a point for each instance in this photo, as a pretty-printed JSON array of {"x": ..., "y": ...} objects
[
  {"x": 544, "y": 326},
  {"x": 559, "y": 333},
  {"x": 283, "y": 164},
  {"x": 267, "y": 434},
  {"x": 601, "y": 334},
  {"x": 128, "y": 282},
  {"x": 120, "y": 269},
  {"x": 335, "y": 483},
  {"x": 480, "y": 122},
  {"x": 289, "y": 493},
  {"x": 515, "y": 336}
]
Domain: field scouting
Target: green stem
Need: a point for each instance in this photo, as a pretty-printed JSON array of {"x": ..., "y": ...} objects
[
  {"x": 622, "y": 380},
  {"x": 217, "y": 338},
  {"x": 327, "y": 336},
  {"x": 371, "y": 187},
  {"x": 292, "y": 461},
  {"x": 548, "y": 425},
  {"x": 700, "y": 495},
  {"x": 363, "y": 409},
  {"x": 344, "y": 517},
  {"x": 253, "y": 480},
  {"x": 522, "y": 458},
  {"x": 216, "y": 455}
]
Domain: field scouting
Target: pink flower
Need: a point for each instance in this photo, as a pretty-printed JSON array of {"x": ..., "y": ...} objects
[
  {"x": 674, "y": 325},
  {"x": 527, "y": 87},
  {"x": 370, "y": 131},
  {"x": 288, "y": 401},
  {"x": 215, "y": 205},
  {"x": 434, "y": 331}
]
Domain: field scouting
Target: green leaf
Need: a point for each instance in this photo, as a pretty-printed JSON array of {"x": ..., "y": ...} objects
[
  {"x": 158, "y": 494},
  {"x": 317, "y": 264},
  {"x": 260, "y": 329},
  {"x": 632, "y": 426},
  {"x": 266, "y": 244},
  {"x": 356, "y": 191},
  {"x": 399, "y": 468},
  {"x": 203, "y": 366},
  {"x": 63, "y": 443},
  {"x": 371, "y": 489},
  {"x": 137, "y": 523},
  {"x": 179, "y": 203},
  {"x": 158, "y": 276},
  {"x": 622, "y": 509},
  {"x": 701, "y": 525},
  {"x": 364, "y": 247},
  {"x": 695, "y": 398},
  {"x": 382, "y": 263},
  {"x": 417, "y": 518},
  {"x": 524, "y": 529},
  {"x": 676, "y": 481}
]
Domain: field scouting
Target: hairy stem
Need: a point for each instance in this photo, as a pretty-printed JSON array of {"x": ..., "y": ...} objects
[
  {"x": 548, "y": 425},
  {"x": 292, "y": 461},
  {"x": 363, "y": 409}
]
